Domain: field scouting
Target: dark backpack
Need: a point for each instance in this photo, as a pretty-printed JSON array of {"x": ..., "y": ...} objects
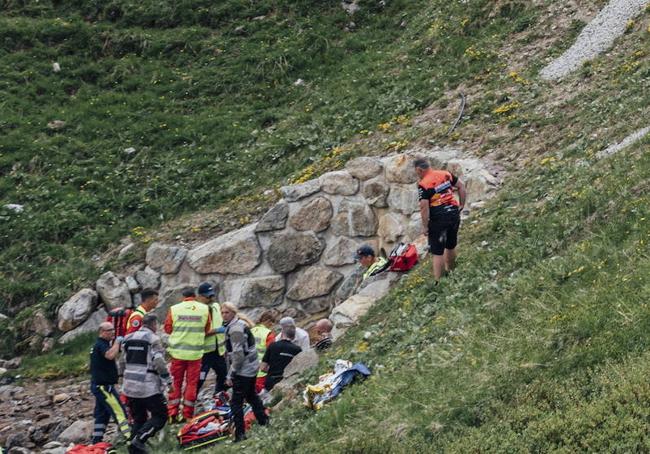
[{"x": 403, "y": 257}]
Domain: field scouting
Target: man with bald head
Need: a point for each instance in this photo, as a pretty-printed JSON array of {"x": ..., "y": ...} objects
[
  {"x": 103, "y": 380},
  {"x": 323, "y": 330}
]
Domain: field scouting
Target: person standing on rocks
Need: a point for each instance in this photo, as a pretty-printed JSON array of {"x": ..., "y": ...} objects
[
  {"x": 149, "y": 303},
  {"x": 264, "y": 336},
  {"x": 187, "y": 324},
  {"x": 440, "y": 212},
  {"x": 215, "y": 342},
  {"x": 103, "y": 379},
  {"x": 145, "y": 379},
  {"x": 242, "y": 368}
]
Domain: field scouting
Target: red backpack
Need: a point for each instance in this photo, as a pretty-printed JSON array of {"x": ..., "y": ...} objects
[
  {"x": 119, "y": 318},
  {"x": 403, "y": 257}
]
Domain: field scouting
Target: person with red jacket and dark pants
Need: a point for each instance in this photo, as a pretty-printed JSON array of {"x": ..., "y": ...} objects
[{"x": 440, "y": 212}]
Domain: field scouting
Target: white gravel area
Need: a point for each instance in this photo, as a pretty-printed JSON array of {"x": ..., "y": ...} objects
[
  {"x": 597, "y": 37},
  {"x": 629, "y": 140}
]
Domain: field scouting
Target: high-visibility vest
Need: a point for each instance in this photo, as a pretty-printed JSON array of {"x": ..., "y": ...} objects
[
  {"x": 187, "y": 340},
  {"x": 215, "y": 341},
  {"x": 141, "y": 311},
  {"x": 260, "y": 332},
  {"x": 377, "y": 266}
]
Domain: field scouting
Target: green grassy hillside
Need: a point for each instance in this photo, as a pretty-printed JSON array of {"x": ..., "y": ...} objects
[
  {"x": 537, "y": 342},
  {"x": 205, "y": 94}
]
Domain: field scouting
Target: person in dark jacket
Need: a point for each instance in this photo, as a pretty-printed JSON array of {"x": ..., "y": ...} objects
[
  {"x": 278, "y": 356},
  {"x": 103, "y": 378},
  {"x": 242, "y": 368}
]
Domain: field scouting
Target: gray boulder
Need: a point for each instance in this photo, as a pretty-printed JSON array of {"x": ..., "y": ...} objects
[
  {"x": 315, "y": 215},
  {"x": 300, "y": 363},
  {"x": 399, "y": 169},
  {"x": 78, "y": 432},
  {"x": 275, "y": 218},
  {"x": 339, "y": 182},
  {"x": 112, "y": 291},
  {"x": 391, "y": 226},
  {"x": 168, "y": 297},
  {"x": 132, "y": 284},
  {"x": 40, "y": 324},
  {"x": 364, "y": 168},
  {"x": 375, "y": 191},
  {"x": 349, "y": 312},
  {"x": 148, "y": 278},
  {"x": 340, "y": 251},
  {"x": 300, "y": 191},
  {"x": 236, "y": 252},
  {"x": 354, "y": 218},
  {"x": 264, "y": 291},
  {"x": 90, "y": 325},
  {"x": 164, "y": 258},
  {"x": 403, "y": 198},
  {"x": 287, "y": 251},
  {"x": 312, "y": 282},
  {"x": 77, "y": 309}
]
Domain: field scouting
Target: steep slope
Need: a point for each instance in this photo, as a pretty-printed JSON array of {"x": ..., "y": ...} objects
[{"x": 161, "y": 109}]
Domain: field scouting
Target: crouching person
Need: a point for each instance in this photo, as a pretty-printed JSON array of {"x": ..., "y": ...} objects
[
  {"x": 242, "y": 368},
  {"x": 145, "y": 380}
]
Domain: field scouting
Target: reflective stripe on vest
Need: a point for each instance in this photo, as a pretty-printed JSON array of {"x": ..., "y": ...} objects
[
  {"x": 139, "y": 310},
  {"x": 260, "y": 332},
  {"x": 187, "y": 340},
  {"x": 220, "y": 343},
  {"x": 376, "y": 266}
]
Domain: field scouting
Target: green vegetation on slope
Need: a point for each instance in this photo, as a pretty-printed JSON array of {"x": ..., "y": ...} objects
[{"x": 204, "y": 92}]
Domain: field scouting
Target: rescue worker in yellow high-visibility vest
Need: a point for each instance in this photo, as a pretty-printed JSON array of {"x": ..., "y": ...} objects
[
  {"x": 263, "y": 337},
  {"x": 215, "y": 342},
  {"x": 187, "y": 324}
]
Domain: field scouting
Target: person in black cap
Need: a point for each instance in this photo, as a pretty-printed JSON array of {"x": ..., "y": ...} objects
[
  {"x": 213, "y": 358},
  {"x": 373, "y": 264}
]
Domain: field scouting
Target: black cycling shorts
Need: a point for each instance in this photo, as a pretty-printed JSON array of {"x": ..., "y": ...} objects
[{"x": 443, "y": 231}]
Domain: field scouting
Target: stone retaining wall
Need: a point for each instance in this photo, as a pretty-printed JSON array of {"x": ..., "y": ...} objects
[{"x": 299, "y": 255}]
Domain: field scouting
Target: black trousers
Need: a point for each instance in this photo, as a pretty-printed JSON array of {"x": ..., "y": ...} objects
[
  {"x": 144, "y": 426},
  {"x": 243, "y": 388},
  {"x": 217, "y": 363}
]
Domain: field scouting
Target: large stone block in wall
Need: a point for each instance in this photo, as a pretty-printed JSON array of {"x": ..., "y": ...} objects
[
  {"x": 403, "y": 198},
  {"x": 296, "y": 192},
  {"x": 164, "y": 258},
  {"x": 364, "y": 168},
  {"x": 77, "y": 309},
  {"x": 391, "y": 227},
  {"x": 287, "y": 251},
  {"x": 340, "y": 251},
  {"x": 399, "y": 169},
  {"x": 275, "y": 218},
  {"x": 113, "y": 292},
  {"x": 235, "y": 252},
  {"x": 354, "y": 218},
  {"x": 339, "y": 182},
  {"x": 312, "y": 282},
  {"x": 375, "y": 191},
  {"x": 264, "y": 291},
  {"x": 314, "y": 215},
  {"x": 148, "y": 278}
]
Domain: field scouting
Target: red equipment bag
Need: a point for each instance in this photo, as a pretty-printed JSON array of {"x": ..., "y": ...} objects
[
  {"x": 403, "y": 257},
  {"x": 119, "y": 318},
  {"x": 97, "y": 448}
]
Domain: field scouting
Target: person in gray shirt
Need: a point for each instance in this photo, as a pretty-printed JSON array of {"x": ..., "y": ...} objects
[
  {"x": 241, "y": 356},
  {"x": 145, "y": 379}
]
